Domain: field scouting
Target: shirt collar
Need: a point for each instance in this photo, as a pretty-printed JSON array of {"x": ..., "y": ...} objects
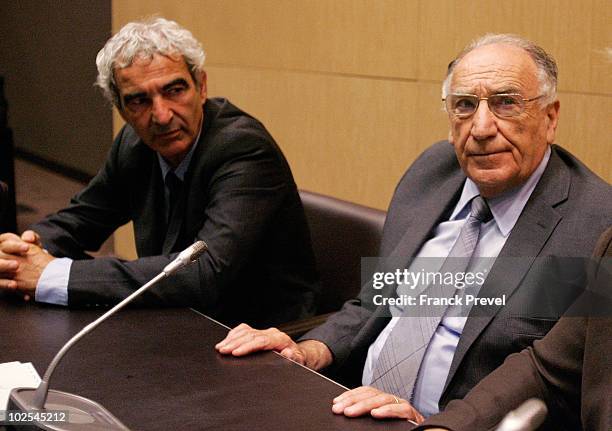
[
  {"x": 181, "y": 169},
  {"x": 507, "y": 207}
]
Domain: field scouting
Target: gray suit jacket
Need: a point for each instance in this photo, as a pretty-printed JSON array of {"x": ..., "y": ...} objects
[
  {"x": 239, "y": 196},
  {"x": 567, "y": 210}
]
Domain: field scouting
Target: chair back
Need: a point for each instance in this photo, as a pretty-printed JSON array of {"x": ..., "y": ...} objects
[{"x": 342, "y": 233}]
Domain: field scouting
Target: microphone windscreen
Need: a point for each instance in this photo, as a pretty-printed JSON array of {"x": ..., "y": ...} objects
[{"x": 197, "y": 249}]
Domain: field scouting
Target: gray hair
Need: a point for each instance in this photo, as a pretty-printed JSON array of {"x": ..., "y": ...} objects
[
  {"x": 144, "y": 39},
  {"x": 545, "y": 63}
]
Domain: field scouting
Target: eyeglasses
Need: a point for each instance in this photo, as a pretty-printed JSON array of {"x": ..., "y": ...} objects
[{"x": 501, "y": 105}]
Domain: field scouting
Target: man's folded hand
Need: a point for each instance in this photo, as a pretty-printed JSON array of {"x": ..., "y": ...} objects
[{"x": 22, "y": 262}]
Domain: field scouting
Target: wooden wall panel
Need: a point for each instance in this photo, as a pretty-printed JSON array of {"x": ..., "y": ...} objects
[
  {"x": 124, "y": 242},
  {"x": 360, "y": 37},
  {"x": 584, "y": 129},
  {"x": 432, "y": 120},
  {"x": 576, "y": 33}
]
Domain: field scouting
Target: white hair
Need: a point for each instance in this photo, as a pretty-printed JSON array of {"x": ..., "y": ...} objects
[
  {"x": 545, "y": 63},
  {"x": 144, "y": 39}
]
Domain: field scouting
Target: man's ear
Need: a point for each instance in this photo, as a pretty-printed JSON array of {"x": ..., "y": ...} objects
[
  {"x": 118, "y": 102},
  {"x": 203, "y": 90},
  {"x": 552, "y": 116}
]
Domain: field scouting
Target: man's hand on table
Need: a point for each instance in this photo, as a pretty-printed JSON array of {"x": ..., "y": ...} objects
[
  {"x": 22, "y": 261},
  {"x": 366, "y": 400},
  {"x": 243, "y": 340}
]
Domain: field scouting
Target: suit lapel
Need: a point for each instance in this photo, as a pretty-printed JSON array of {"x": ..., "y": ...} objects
[
  {"x": 526, "y": 241},
  {"x": 422, "y": 219}
]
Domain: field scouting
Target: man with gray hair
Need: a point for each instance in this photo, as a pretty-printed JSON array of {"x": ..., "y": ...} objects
[
  {"x": 184, "y": 168},
  {"x": 498, "y": 189}
]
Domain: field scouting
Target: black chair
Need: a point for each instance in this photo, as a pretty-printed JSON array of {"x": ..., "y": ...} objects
[
  {"x": 4, "y": 198},
  {"x": 8, "y": 220},
  {"x": 342, "y": 233}
]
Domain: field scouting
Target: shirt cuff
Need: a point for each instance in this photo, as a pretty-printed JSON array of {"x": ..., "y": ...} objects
[{"x": 52, "y": 286}]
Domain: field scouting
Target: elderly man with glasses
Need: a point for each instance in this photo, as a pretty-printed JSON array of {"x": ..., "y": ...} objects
[{"x": 498, "y": 189}]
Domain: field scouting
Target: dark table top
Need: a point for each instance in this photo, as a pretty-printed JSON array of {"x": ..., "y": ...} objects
[{"x": 156, "y": 369}]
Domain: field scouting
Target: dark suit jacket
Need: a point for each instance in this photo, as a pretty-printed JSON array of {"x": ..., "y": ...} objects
[
  {"x": 570, "y": 369},
  {"x": 239, "y": 197},
  {"x": 567, "y": 210}
]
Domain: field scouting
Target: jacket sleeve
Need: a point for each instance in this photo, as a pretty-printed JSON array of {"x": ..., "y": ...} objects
[{"x": 551, "y": 370}]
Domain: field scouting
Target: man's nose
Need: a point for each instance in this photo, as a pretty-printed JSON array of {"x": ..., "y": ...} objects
[
  {"x": 161, "y": 112},
  {"x": 483, "y": 122}
]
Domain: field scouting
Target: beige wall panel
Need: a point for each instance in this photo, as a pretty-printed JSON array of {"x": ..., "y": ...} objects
[
  {"x": 432, "y": 125},
  {"x": 576, "y": 33},
  {"x": 348, "y": 137},
  {"x": 363, "y": 37},
  {"x": 584, "y": 129},
  {"x": 124, "y": 243}
]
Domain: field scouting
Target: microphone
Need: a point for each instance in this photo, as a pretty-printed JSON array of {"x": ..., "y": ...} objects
[
  {"x": 185, "y": 257},
  {"x": 45, "y": 406},
  {"x": 526, "y": 417}
]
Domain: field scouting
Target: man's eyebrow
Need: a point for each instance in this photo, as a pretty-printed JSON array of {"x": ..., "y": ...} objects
[
  {"x": 507, "y": 90},
  {"x": 459, "y": 91},
  {"x": 131, "y": 96},
  {"x": 177, "y": 81}
]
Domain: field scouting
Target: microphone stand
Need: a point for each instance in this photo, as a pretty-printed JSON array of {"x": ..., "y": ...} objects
[{"x": 90, "y": 415}]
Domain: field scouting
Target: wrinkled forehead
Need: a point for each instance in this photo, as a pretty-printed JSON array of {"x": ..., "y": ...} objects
[{"x": 496, "y": 68}]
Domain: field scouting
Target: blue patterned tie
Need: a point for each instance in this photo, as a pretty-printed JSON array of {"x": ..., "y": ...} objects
[{"x": 399, "y": 361}]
